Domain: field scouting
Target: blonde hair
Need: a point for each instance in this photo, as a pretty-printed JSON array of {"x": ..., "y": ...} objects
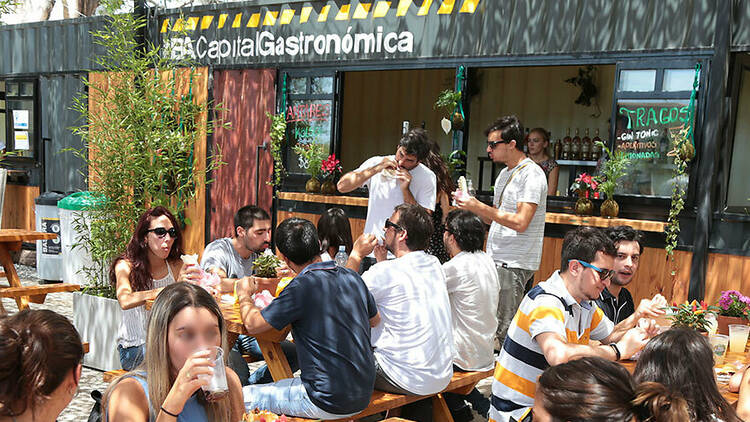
[{"x": 157, "y": 362}]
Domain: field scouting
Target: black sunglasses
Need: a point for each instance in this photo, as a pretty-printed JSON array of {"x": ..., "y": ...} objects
[
  {"x": 160, "y": 232},
  {"x": 389, "y": 223},
  {"x": 493, "y": 144}
]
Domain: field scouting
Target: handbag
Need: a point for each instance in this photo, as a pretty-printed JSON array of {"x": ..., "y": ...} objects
[{"x": 96, "y": 410}]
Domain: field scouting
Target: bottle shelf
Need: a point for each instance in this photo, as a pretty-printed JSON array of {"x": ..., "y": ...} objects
[{"x": 576, "y": 163}]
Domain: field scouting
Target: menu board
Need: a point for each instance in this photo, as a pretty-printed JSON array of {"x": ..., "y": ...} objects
[
  {"x": 307, "y": 121},
  {"x": 644, "y": 130}
]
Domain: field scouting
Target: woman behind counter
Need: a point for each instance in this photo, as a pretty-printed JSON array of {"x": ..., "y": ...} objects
[{"x": 538, "y": 143}]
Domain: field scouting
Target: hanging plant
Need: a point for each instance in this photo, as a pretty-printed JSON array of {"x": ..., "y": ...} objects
[
  {"x": 278, "y": 132},
  {"x": 449, "y": 100},
  {"x": 589, "y": 92}
]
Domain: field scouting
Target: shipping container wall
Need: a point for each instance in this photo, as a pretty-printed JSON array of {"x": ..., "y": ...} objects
[
  {"x": 244, "y": 97},
  {"x": 62, "y": 170}
]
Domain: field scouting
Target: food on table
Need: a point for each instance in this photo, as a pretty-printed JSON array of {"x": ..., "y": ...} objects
[{"x": 263, "y": 416}]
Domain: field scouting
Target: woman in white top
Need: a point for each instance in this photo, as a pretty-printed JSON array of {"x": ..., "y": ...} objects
[{"x": 150, "y": 262}]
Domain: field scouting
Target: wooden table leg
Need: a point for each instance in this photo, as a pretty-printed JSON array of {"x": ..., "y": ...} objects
[
  {"x": 440, "y": 411},
  {"x": 10, "y": 273},
  {"x": 275, "y": 359}
]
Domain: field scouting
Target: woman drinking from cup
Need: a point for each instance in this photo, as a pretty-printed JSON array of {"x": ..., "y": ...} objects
[
  {"x": 182, "y": 379},
  {"x": 150, "y": 262}
]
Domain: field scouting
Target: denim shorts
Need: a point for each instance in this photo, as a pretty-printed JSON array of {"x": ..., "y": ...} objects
[
  {"x": 131, "y": 357},
  {"x": 287, "y": 397}
]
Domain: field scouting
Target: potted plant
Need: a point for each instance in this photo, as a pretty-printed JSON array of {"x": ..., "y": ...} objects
[
  {"x": 277, "y": 135},
  {"x": 264, "y": 268},
  {"x": 692, "y": 315},
  {"x": 449, "y": 100},
  {"x": 612, "y": 170},
  {"x": 734, "y": 308},
  {"x": 311, "y": 157},
  {"x": 140, "y": 127},
  {"x": 331, "y": 169},
  {"x": 583, "y": 185}
]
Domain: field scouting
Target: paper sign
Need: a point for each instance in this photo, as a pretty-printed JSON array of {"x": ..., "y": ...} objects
[
  {"x": 20, "y": 119},
  {"x": 21, "y": 139}
]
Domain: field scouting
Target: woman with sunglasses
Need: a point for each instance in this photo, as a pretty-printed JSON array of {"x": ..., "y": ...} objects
[{"x": 151, "y": 262}]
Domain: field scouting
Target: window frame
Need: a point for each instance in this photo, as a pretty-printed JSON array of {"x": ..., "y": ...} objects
[
  {"x": 35, "y": 127},
  {"x": 740, "y": 64}
]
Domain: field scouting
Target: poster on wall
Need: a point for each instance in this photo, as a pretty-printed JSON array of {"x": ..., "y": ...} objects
[
  {"x": 308, "y": 122},
  {"x": 644, "y": 130},
  {"x": 21, "y": 140},
  {"x": 21, "y": 119}
]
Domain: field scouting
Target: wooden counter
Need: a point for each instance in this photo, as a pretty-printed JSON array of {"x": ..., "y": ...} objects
[
  {"x": 324, "y": 199},
  {"x": 576, "y": 220}
]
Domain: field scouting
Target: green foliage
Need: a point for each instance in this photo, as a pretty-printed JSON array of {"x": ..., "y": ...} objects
[
  {"x": 278, "y": 133},
  {"x": 612, "y": 170},
  {"x": 139, "y": 139},
  {"x": 7, "y": 6},
  {"x": 265, "y": 265},
  {"x": 681, "y": 157},
  {"x": 312, "y": 154},
  {"x": 447, "y": 100},
  {"x": 456, "y": 162},
  {"x": 692, "y": 315}
]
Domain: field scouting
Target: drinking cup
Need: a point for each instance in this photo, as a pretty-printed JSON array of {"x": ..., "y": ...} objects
[
  {"x": 719, "y": 346},
  {"x": 217, "y": 386},
  {"x": 738, "y": 337}
]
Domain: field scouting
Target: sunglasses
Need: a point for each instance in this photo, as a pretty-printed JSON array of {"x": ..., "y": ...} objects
[
  {"x": 160, "y": 232},
  {"x": 603, "y": 274},
  {"x": 493, "y": 144},
  {"x": 389, "y": 223}
]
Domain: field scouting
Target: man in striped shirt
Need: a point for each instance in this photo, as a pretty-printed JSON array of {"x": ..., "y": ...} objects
[{"x": 555, "y": 322}]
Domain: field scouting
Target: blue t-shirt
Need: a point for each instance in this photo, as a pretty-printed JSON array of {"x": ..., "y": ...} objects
[{"x": 330, "y": 308}]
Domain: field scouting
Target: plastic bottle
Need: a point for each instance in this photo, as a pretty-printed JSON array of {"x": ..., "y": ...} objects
[{"x": 341, "y": 256}]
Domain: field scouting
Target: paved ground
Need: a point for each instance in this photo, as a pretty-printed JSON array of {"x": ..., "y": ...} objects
[{"x": 91, "y": 379}]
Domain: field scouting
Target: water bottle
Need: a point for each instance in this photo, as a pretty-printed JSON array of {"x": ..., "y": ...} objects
[{"x": 341, "y": 256}]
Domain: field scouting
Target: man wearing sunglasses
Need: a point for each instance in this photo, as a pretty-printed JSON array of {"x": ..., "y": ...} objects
[
  {"x": 231, "y": 258},
  {"x": 393, "y": 180},
  {"x": 556, "y": 321},
  {"x": 516, "y": 217}
]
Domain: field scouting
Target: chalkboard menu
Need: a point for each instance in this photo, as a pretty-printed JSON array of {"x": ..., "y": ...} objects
[{"x": 644, "y": 130}]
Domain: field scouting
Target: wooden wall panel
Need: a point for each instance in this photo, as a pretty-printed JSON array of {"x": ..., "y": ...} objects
[
  {"x": 246, "y": 95},
  {"x": 726, "y": 272},
  {"x": 357, "y": 224},
  {"x": 18, "y": 209}
]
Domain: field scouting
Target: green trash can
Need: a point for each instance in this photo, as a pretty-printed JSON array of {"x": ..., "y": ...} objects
[{"x": 76, "y": 207}]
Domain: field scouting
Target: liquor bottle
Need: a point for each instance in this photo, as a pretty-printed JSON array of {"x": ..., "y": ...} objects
[
  {"x": 575, "y": 148},
  {"x": 596, "y": 150},
  {"x": 566, "y": 146},
  {"x": 586, "y": 146},
  {"x": 558, "y": 149}
]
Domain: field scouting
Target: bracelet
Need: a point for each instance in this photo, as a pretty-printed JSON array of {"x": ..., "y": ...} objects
[
  {"x": 169, "y": 413},
  {"x": 617, "y": 350}
]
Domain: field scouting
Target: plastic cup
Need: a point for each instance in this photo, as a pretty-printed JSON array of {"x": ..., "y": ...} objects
[
  {"x": 217, "y": 386},
  {"x": 719, "y": 346},
  {"x": 712, "y": 325},
  {"x": 738, "y": 337}
]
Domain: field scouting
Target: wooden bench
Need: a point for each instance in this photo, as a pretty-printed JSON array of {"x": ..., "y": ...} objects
[{"x": 38, "y": 293}]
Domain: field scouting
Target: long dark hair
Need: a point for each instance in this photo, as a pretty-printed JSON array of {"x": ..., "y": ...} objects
[
  {"x": 435, "y": 162},
  {"x": 683, "y": 361},
  {"x": 137, "y": 251},
  {"x": 38, "y": 349},
  {"x": 595, "y": 389},
  {"x": 334, "y": 230}
]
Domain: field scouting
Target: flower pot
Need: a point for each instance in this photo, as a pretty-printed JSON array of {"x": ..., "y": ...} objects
[
  {"x": 725, "y": 321},
  {"x": 312, "y": 185},
  {"x": 97, "y": 319},
  {"x": 584, "y": 206},
  {"x": 609, "y": 208},
  {"x": 457, "y": 121},
  {"x": 328, "y": 188},
  {"x": 269, "y": 284}
]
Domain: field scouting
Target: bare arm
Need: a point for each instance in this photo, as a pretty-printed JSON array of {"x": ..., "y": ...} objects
[
  {"x": 557, "y": 351},
  {"x": 743, "y": 404},
  {"x": 127, "y": 298},
  {"x": 648, "y": 308},
  {"x": 128, "y": 403},
  {"x": 552, "y": 181},
  {"x": 249, "y": 313},
  {"x": 518, "y": 221},
  {"x": 356, "y": 178},
  {"x": 236, "y": 399},
  {"x": 363, "y": 246},
  {"x": 375, "y": 320}
]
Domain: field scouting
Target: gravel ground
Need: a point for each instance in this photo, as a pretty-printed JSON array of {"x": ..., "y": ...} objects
[{"x": 91, "y": 379}]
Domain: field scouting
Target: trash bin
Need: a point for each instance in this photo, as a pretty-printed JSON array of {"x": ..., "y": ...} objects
[
  {"x": 75, "y": 221},
  {"x": 48, "y": 252}
]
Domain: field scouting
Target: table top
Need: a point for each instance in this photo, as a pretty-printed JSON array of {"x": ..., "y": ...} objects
[{"x": 22, "y": 235}]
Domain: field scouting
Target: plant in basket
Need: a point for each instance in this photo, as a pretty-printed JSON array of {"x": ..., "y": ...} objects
[
  {"x": 331, "y": 169},
  {"x": 583, "y": 185},
  {"x": 265, "y": 274},
  {"x": 691, "y": 314},
  {"x": 612, "y": 170},
  {"x": 734, "y": 304},
  {"x": 311, "y": 155}
]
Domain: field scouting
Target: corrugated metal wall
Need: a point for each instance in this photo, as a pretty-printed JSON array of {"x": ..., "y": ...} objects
[
  {"x": 62, "y": 170},
  {"x": 246, "y": 95},
  {"x": 45, "y": 47}
]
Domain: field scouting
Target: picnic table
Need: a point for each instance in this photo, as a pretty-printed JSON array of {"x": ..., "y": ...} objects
[{"x": 11, "y": 240}]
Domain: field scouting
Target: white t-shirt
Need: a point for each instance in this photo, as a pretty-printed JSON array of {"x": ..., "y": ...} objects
[
  {"x": 505, "y": 245},
  {"x": 474, "y": 291},
  {"x": 413, "y": 342},
  {"x": 385, "y": 193}
]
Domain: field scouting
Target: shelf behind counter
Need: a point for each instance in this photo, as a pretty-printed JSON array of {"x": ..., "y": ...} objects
[{"x": 550, "y": 217}]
